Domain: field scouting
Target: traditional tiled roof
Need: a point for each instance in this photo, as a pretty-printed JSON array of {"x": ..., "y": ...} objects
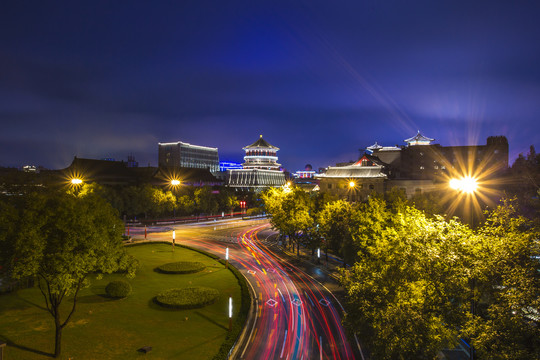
[
  {"x": 261, "y": 144},
  {"x": 419, "y": 139},
  {"x": 373, "y": 160},
  {"x": 353, "y": 171},
  {"x": 374, "y": 147}
]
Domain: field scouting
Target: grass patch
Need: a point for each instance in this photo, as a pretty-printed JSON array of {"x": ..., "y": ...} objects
[
  {"x": 187, "y": 298},
  {"x": 182, "y": 267},
  {"x": 105, "y": 329}
]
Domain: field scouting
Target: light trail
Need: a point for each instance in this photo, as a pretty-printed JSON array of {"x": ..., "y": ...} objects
[{"x": 288, "y": 299}]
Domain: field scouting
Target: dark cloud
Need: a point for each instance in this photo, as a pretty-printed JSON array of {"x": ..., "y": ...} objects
[{"x": 318, "y": 79}]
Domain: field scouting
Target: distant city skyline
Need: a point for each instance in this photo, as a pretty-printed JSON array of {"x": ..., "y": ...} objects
[{"x": 320, "y": 80}]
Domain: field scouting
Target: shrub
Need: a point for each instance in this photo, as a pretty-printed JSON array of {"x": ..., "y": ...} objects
[
  {"x": 187, "y": 298},
  {"x": 181, "y": 267},
  {"x": 118, "y": 289}
]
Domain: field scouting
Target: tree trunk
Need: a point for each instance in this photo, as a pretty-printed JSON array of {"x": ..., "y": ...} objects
[{"x": 57, "y": 337}]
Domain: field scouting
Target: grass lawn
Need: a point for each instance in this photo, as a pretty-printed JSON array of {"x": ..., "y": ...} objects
[{"x": 103, "y": 328}]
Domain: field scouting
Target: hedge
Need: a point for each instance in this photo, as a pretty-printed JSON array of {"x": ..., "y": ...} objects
[
  {"x": 181, "y": 267},
  {"x": 187, "y": 298}
]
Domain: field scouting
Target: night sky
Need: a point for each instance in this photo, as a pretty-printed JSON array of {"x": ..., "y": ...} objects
[{"x": 319, "y": 79}]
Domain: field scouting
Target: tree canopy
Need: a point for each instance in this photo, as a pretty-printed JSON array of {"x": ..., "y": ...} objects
[{"x": 61, "y": 239}]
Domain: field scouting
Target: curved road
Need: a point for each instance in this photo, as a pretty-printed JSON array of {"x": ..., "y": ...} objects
[{"x": 296, "y": 316}]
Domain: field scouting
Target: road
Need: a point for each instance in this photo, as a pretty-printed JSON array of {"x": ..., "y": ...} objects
[{"x": 297, "y": 317}]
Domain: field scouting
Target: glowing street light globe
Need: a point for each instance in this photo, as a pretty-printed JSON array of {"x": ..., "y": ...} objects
[
  {"x": 175, "y": 182},
  {"x": 352, "y": 184},
  {"x": 469, "y": 184},
  {"x": 76, "y": 181}
]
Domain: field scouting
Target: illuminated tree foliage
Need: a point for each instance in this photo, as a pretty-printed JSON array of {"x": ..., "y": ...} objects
[
  {"x": 400, "y": 291},
  {"x": 506, "y": 271},
  {"x": 339, "y": 223},
  {"x": 419, "y": 283},
  {"x": 291, "y": 212},
  {"x": 61, "y": 239}
]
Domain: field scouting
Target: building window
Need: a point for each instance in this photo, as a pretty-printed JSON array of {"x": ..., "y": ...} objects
[
  {"x": 421, "y": 168},
  {"x": 329, "y": 186},
  {"x": 371, "y": 186}
]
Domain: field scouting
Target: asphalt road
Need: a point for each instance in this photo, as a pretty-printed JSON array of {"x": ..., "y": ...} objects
[{"x": 296, "y": 317}]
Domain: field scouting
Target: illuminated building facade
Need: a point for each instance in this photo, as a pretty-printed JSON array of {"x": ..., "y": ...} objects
[
  {"x": 179, "y": 154},
  {"x": 418, "y": 167},
  {"x": 261, "y": 155},
  {"x": 260, "y": 168},
  {"x": 354, "y": 182}
]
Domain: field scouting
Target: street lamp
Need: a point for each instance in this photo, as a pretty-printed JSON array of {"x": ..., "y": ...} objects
[
  {"x": 174, "y": 183},
  {"x": 173, "y": 239},
  {"x": 227, "y": 257},
  {"x": 230, "y": 313},
  {"x": 76, "y": 181},
  {"x": 467, "y": 185}
]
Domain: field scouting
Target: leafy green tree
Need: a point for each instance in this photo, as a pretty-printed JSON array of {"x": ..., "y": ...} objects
[
  {"x": 207, "y": 202},
  {"x": 62, "y": 239},
  {"x": 401, "y": 291},
  {"x": 291, "y": 213},
  {"x": 339, "y": 222},
  {"x": 506, "y": 287}
]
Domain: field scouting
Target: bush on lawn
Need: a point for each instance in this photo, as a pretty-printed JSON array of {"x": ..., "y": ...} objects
[
  {"x": 181, "y": 267},
  {"x": 118, "y": 289},
  {"x": 187, "y": 298}
]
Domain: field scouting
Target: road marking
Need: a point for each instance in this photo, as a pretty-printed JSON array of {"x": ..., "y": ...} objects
[
  {"x": 251, "y": 272},
  {"x": 264, "y": 272},
  {"x": 324, "y": 302},
  {"x": 309, "y": 298},
  {"x": 282, "y": 298},
  {"x": 283, "y": 347},
  {"x": 271, "y": 302}
]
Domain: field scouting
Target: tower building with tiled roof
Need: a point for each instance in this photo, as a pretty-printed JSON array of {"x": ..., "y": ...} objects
[
  {"x": 261, "y": 155},
  {"x": 260, "y": 168}
]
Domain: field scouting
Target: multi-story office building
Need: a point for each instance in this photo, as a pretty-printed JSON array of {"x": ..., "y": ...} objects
[{"x": 183, "y": 155}]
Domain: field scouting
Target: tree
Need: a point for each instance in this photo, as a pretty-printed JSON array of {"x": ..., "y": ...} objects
[
  {"x": 339, "y": 221},
  {"x": 205, "y": 200},
  {"x": 506, "y": 289},
  {"x": 61, "y": 239},
  {"x": 291, "y": 212},
  {"x": 401, "y": 292}
]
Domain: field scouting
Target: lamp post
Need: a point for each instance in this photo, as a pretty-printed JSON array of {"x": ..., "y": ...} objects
[
  {"x": 174, "y": 183},
  {"x": 227, "y": 257},
  {"x": 468, "y": 185},
  {"x": 173, "y": 239},
  {"x": 230, "y": 313},
  {"x": 352, "y": 186}
]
